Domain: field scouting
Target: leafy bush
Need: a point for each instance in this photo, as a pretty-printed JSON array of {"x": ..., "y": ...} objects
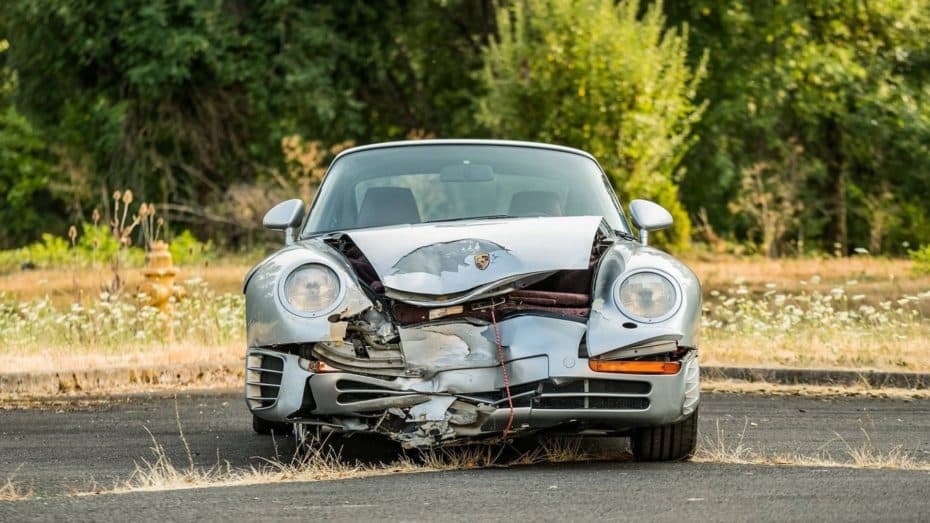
[
  {"x": 187, "y": 249},
  {"x": 921, "y": 259},
  {"x": 605, "y": 77},
  {"x": 52, "y": 251},
  {"x": 96, "y": 243},
  {"x": 94, "y": 247}
]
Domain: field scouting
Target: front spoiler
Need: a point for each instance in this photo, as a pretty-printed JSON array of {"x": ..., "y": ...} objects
[{"x": 353, "y": 402}]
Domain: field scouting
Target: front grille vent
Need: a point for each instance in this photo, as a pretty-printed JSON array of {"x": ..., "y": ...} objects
[
  {"x": 357, "y": 393},
  {"x": 594, "y": 394},
  {"x": 263, "y": 374},
  {"x": 592, "y": 402}
]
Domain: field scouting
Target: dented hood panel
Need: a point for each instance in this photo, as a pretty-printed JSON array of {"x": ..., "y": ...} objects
[{"x": 450, "y": 258}]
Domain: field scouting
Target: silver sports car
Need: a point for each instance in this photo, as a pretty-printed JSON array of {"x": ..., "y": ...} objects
[{"x": 446, "y": 291}]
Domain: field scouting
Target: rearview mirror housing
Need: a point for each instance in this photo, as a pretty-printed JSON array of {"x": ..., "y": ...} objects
[
  {"x": 285, "y": 216},
  {"x": 649, "y": 216},
  {"x": 466, "y": 172}
]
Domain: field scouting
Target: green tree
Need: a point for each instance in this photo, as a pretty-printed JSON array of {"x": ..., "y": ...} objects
[
  {"x": 847, "y": 80},
  {"x": 167, "y": 96},
  {"x": 180, "y": 100},
  {"x": 601, "y": 77},
  {"x": 415, "y": 73},
  {"x": 27, "y": 206}
]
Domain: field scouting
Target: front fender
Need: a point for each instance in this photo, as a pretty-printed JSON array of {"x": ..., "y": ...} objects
[
  {"x": 269, "y": 323},
  {"x": 609, "y": 329}
]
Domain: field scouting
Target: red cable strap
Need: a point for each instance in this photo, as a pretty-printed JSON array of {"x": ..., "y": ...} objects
[{"x": 500, "y": 355}]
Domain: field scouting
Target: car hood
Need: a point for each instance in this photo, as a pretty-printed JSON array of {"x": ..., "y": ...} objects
[{"x": 439, "y": 262}]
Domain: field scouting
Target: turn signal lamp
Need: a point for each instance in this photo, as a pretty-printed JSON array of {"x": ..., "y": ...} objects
[
  {"x": 635, "y": 367},
  {"x": 322, "y": 366}
]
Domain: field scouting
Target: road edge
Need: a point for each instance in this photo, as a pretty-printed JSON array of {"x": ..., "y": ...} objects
[
  {"x": 795, "y": 376},
  {"x": 231, "y": 373},
  {"x": 109, "y": 378}
]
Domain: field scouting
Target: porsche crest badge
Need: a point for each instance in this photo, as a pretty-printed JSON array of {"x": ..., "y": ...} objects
[{"x": 482, "y": 260}]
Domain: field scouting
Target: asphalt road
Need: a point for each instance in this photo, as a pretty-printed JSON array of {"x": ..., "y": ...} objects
[{"x": 77, "y": 446}]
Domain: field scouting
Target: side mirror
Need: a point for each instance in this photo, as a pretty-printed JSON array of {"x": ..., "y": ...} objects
[
  {"x": 648, "y": 216},
  {"x": 284, "y": 217}
]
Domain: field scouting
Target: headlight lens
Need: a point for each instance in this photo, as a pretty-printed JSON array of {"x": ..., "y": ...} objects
[
  {"x": 647, "y": 295},
  {"x": 311, "y": 288}
]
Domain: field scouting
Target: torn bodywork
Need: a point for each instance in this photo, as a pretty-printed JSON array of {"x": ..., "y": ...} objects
[{"x": 411, "y": 348}]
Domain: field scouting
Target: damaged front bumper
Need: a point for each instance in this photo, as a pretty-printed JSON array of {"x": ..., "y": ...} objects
[{"x": 452, "y": 387}]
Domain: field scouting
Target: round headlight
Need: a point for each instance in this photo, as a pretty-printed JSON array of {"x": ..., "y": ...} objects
[
  {"x": 647, "y": 296},
  {"x": 311, "y": 289}
]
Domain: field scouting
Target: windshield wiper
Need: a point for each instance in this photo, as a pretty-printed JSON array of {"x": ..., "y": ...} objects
[{"x": 492, "y": 217}]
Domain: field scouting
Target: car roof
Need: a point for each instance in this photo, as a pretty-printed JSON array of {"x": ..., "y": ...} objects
[{"x": 464, "y": 141}]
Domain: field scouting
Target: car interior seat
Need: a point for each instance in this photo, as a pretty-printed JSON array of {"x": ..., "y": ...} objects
[
  {"x": 383, "y": 206},
  {"x": 535, "y": 203}
]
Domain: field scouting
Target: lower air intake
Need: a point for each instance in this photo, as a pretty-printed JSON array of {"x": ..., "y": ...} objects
[{"x": 263, "y": 374}]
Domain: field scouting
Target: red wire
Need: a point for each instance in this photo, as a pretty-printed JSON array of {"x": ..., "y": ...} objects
[{"x": 500, "y": 355}]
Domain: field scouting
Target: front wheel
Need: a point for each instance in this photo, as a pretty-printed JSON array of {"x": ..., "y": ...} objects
[{"x": 672, "y": 442}]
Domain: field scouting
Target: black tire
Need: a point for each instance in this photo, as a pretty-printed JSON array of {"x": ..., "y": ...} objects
[
  {"x": 673, "y": 442},
  {"x": 265, "y": 427}
]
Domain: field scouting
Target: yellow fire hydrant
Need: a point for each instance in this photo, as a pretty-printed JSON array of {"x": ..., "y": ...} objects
[{"x": 159, "y": 273}]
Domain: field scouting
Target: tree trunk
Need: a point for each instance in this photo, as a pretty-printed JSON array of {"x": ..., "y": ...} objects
[
  {"x": 836, "y": 170},
  {"x": 842, "y": 230}
]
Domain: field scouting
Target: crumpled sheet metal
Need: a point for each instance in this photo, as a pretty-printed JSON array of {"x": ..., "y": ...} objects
[
  {"x": 438, "y": 348},
  {"x": 439, "y": 259},
  {"x": 268, "y": 323},
  {"x": 606, "y": 332}
]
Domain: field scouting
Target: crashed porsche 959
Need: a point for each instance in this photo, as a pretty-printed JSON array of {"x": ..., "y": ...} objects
[{"x": 447, "y": 291}]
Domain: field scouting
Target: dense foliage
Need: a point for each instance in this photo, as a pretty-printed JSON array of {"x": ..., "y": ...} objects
[
  {"x": 787, "y": 127},
  {"x": 562, "y": 72},
  {"x": 826, "y": 102}
]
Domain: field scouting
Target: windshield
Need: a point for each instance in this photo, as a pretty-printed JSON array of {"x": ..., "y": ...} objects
[{"x": 434, "y": 183}]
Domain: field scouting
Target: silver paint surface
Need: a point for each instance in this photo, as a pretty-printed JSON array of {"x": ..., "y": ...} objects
[
  {"x": 447, "y": 364},
  {"x": 606, "y": 330},
  {"x": 438, "y": 259},
  {"x": 269, "y": 323}
]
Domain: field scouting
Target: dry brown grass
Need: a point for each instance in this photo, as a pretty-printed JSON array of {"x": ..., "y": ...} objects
[
  {"x": 720, "y": 449},
  {"x": 854, "y": 313},
  {"x": 878, "y": 278},
  {"x": 875, "y": 278},
  {"x": 58, "y": 284},
  {"x": 909, "y": 351},
  {"x": 9, "y": 491},
  {"x": 322, "y": 463},
  {"x": 66, "y": 393},
  {"x": 831, "y": 391},
  {"x": 319, "y": 461},
  {"x": 68, "y": 358}
]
